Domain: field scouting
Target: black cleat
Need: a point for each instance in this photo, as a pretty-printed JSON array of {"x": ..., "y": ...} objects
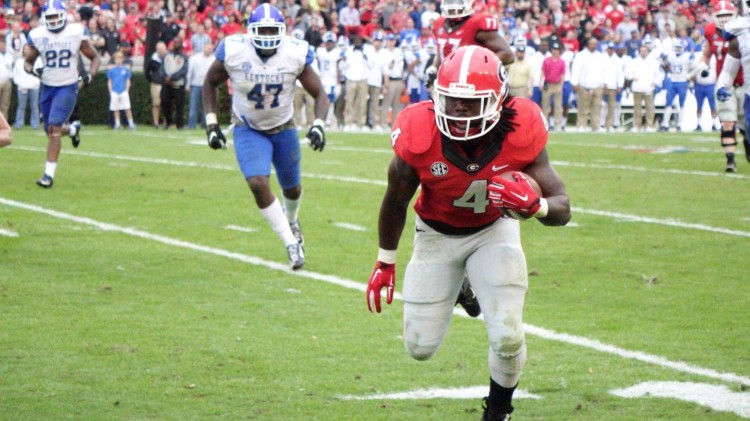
[
  {"x": 76, "y": 138},
  {"x": 468, "y": 300},
  {"x": 46, "y": 181},
  {"x": 731, "y": 167},
  {"x": 663, "y": 129},
  {"x": 494, "y": 414}
]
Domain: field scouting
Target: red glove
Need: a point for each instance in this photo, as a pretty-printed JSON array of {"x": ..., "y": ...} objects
[
  {"x": 518, "y": 197},
  {"x": 384, "y": 275}
]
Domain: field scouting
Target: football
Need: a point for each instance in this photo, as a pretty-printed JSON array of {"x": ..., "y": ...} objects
[{"x": 508, "y": 175}]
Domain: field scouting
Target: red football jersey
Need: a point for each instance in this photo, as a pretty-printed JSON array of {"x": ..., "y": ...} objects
[
  {"x": 719, "y": 48},
  {"x": 449, "y": 194},
  {"x": 465, "y": 34}
]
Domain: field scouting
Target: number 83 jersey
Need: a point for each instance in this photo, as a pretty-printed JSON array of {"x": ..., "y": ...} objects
[
  {"x": 263, "y": 96},
  {"x": 59, "y": 52}
]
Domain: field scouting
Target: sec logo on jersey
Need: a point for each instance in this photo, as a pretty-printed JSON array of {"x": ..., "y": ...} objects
[{"x": 439, "y": 169}]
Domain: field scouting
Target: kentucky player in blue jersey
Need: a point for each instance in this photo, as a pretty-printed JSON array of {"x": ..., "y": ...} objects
[
  {"x": 263, "y": 65},
  {"x": 58, "y": 45}
]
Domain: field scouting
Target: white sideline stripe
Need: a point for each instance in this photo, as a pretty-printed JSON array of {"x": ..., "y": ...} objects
[
  {"x": 8, "y": 233},
  {"x": 240, "y": 229},
  {"x": 655, "y": 148},
  {"x": 716, "y": 397},
  {"x": 644, "y": 169},
  {"x": 374, "y": 182},
  {"x": 667, "y": 222},
  {"x": 472, "y": 392},
  {"x": 335, "y": 280},
  {"x": 348, "y": 226},
  {"x": 200, "y": 165}
]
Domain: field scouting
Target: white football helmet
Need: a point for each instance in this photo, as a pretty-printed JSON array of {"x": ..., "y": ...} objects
[
  {"x": 470, "y": 74},
  {"x": 54, "y": 15},
  {"x": 453, "y": 9}
]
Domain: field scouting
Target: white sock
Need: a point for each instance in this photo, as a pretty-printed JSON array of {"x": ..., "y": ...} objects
[
  {"x": 275, "y": 217},
  {"x": 680, "y": 113},
  {"x": 72, "y": 130},
  {"x": 117, "y": 122},
  {"x": 49, "y": 168},
  {"x": 130, "y": 122},
  {"x": 716, "y": 122},
  {"x": 667, "y": 116},
  {"x": 291, "y": 208}
]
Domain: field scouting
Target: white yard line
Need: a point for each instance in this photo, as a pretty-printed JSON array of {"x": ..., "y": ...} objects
[
  {"x": 240, "y": 229},
  {"x": 473, "y": 392},
  {"x": 351, "y": 227},
  {"x": 335, "y": 280},
  {"x": 8, "y": 233}
]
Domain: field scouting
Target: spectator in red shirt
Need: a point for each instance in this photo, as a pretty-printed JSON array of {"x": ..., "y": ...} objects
[
  {"x": 398, "y": 19},
  {"x": 553, "y": 73},
  {"x": 232, "y": 26},
  {"x": 544, "y": 28}
]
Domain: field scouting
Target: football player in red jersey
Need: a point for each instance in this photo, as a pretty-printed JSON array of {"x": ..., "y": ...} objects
[
  {"x": 455, "y": 148},
  {"x": 458, "y": 26},
  {"x": 731, "y": 112}
]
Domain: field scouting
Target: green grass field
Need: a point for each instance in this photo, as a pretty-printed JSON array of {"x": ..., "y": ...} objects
[{"x": 146, "y": 286}]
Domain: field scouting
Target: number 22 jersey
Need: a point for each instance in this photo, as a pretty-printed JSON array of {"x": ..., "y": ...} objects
[{"x": 59, "y": 52}]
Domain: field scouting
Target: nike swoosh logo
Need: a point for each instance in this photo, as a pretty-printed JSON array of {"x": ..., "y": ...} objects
[
  {"x": 525, "y": 197},
  {"x": 499, "y": 167}
]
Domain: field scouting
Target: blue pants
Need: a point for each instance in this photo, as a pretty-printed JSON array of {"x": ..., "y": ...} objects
[
  {"x": 57, "y": 103},
  {"x": 536, "y": 96},
  {"x": 255, "y": 151},
  {"x": 567, "y": 90},
  {"x": 32, "y": 98},
  {"x": 705, "y": 92},
  {"x": 678, "y": 89},
  {"x": 746, "y": 103},
  {"x": 196, "y": 104}
]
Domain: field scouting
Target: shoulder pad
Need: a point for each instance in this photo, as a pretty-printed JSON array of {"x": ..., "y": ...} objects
[
  {"x": 735, "y": 27},
  {"x": 531, "y": 133},
  {"x": 411, "y": 135}
]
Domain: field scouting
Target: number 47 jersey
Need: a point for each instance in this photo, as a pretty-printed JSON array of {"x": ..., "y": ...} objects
[
  {"x": 59, "y": 52},
  {"x": 263, "y": 96}
]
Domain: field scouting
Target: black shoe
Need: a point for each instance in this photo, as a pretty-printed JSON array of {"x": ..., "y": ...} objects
[
  {"x": 663, "y": 129},
  {"x": 731, "y": 167},
  {"x": 76, "y": 139},
  {"x": 493, "y": 414},
  {"x": 46, "y": 181},
  {"x": 698, "y": 129},
  {"x": 468, "y": 300}
]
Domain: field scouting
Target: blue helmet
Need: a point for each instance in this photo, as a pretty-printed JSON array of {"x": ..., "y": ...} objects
[
  {"x": 266, "y": 27},
  {"x": 329, "y": 37},
  {"x": 54, "y": 15}
]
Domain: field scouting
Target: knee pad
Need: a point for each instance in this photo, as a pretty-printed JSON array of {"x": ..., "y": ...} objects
[
  {"x": 728, "y": 134},
  {"x": 509, "y": 345}
]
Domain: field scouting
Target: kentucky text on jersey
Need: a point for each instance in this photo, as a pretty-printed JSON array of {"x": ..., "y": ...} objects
[{"x": 264, "y": 77}]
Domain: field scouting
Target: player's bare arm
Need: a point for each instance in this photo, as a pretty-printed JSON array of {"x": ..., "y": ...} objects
[
  {"x": 553, "y": 190},
  {"x": 5, "y": 138},
  {"x": 91, "y": 54},
  {"x": 494, "y": 42},
  {"x": 217, "y": 74},
  {"x": 29, "y": 58},
  {"x": 311, "y": 82},
  {"x": 402, "y": 184}
]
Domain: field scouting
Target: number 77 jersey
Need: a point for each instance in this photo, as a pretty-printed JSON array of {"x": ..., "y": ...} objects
[
  {"x": 449, "y": 39},
  {"x": 59, "y": 52},
  {"x": 263, "y": 90}
]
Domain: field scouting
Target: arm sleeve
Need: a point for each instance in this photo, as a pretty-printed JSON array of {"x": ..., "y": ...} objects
[
  {"x": 729, "y": 71},
  {"x": 220, "y": 52}
]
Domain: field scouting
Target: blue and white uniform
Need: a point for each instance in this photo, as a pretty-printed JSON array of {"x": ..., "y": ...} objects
[
  {"x": 59, "y": 52},
  {"x": 263, "y": 105},
  {"x": 679, "y": 74},
  {"x": 328, "y": 62},
  {"x": 740, "y": 28}
]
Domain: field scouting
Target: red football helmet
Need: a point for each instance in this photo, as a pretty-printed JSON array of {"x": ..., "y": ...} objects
[
  {"x": 453, "y": 9},
  {"x": 724, "y": 11},
  {"x": 470, "y": 73}
]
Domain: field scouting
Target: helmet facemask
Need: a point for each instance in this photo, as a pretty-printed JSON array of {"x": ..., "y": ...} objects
[
  {"x": 470, "y": 125},
  {"x": 54, "y": 20},
  {"x": 454, "y": 9}
]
